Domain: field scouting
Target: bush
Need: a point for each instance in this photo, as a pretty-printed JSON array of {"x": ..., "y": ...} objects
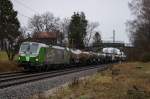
[{"x": 145, "y": 57}]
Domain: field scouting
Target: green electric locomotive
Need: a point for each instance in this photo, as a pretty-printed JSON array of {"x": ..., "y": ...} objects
[{"x": 38, "y": 56}]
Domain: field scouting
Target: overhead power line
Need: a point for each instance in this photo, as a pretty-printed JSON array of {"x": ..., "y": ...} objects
[
  {"x": 24, "y": 15},
  {"x": 27, "y": 7}
]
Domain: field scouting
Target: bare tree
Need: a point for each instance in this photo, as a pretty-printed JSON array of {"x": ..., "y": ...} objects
[
  {"x": 91, "y": 27},
  {"x": 139, "y": 28},
  {"x": 35, "y": 24},
  {"x": 24, "y": 31},
  {"x": 50, "y": 23},
  {"x": 12, "y": 45},
  {"x": 44, "y": 23},
  {"x": 64, "y": 28}
]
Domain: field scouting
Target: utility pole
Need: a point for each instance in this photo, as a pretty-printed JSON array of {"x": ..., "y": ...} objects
[
  {"x": 113, "y": 40},
  {"x": 114, "y": 36}
]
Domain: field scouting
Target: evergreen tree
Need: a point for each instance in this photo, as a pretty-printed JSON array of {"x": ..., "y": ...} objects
[
  {"x": 97, "y": 42},
  {"x": 77, "y": 30},
  {"x": 97, "y": 39},
  {"x": 9, "y": 26}
]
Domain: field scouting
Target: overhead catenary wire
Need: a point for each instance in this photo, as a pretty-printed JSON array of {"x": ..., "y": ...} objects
[
  {"x": 24, "y": 15},
  {"x": 25, "y": 6},
  {"x": 22, "y": 22}
]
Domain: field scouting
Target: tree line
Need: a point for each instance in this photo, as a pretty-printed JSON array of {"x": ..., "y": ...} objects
[
  {"x": 78, "y": 31},
  {"x": 139, "y": 29}
]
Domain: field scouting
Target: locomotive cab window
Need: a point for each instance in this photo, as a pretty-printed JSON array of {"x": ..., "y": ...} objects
[{"x": 29, "y": 48}]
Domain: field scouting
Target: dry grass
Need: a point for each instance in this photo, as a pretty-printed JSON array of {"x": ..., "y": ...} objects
[
  {"x": 123, "y": 81},
  {"x": 3, "y": 56},
  {"x": 6, "y": 65}
]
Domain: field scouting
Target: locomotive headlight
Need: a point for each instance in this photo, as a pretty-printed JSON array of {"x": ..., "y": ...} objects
[{"x": 36, "y": 59}]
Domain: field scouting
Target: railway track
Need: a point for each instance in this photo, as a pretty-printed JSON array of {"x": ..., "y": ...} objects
[
  {"x": 12, "y": 79},
  {"x": 11, "y": 74}
]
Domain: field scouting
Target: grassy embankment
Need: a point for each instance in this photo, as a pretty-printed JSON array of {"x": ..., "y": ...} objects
[
  {"x": 5, "y": 64},
  {"x": 123, "y": 81}
]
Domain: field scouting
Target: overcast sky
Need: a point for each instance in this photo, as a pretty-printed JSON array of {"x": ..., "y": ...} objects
[{"x": 111, "y": 14}]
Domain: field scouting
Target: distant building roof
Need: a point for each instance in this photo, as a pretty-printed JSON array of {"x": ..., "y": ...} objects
[{"x": 45, "y": 35}]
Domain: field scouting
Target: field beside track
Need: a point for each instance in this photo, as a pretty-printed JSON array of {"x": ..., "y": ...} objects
[
  {"x": 3, "y": 56},
  {"x": 122, "y": 81},
  {"x": 6, "y": 65}
]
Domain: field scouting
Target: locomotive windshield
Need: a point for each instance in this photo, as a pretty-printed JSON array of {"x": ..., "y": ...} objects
[{"x": 29, "y": 48}]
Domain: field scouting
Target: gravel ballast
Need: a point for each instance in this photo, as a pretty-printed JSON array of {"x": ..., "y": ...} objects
[{"x": 25, "y": 91}]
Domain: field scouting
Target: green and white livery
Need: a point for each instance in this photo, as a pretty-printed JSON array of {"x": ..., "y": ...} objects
[{"x": 38, "y": 56}]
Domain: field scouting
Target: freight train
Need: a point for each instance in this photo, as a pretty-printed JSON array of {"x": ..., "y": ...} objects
[{"x": 42, "y": 57}]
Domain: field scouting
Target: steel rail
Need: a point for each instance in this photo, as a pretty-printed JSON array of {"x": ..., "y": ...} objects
[{"x": 35, "y": 77}]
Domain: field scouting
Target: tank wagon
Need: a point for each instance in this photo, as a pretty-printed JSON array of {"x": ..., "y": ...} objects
[{"x": 42, "y": 57}]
